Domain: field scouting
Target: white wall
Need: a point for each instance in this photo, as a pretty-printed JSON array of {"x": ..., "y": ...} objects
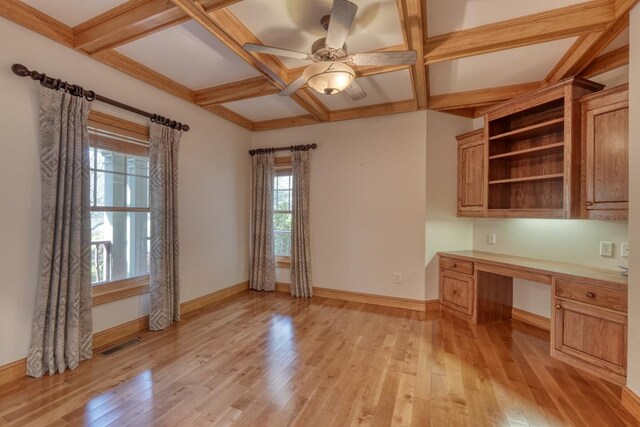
[
  {"x": 444, "y": 230},
  {"x": 633, "y": 379},
  {"x": 367, "y": 202},
  {"x": 214, "y": 182}
]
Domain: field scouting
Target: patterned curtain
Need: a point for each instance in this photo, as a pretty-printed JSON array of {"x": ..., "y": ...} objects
[
  {"x": 300, "y": 235},
  {"x": 262, "y": 262},
  {"x": 62, "y": 323},
  {"x": 163, "y": 200}
]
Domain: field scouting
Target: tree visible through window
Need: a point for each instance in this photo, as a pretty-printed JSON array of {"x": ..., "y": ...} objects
[
  {"x": 120, "y": 225},
  {"x": 283, "y": 186}
]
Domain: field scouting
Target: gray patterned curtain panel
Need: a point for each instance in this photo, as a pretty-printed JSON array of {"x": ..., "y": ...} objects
[
  {"x": 262, "y": 262},
  {"x": 163, "y": 200},
  {"x": 62, "y": 324},
  {"x": 300, "y": 234}
]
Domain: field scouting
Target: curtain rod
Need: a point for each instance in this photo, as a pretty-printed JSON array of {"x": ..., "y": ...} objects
[
  {"x": 75, "y": 90},
  {"x": 290, "y": 148}
]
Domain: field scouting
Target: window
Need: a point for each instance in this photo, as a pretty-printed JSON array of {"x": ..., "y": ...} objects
[
  {"x": 282, "y": 198},
  {"x": 120, "y": 218}
]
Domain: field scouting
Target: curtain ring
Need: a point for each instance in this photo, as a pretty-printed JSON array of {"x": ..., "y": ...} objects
[{"x": 90, "y": 96}]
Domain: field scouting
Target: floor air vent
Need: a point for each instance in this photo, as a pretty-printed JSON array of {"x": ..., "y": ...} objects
[{"x": 119, "y": 347}]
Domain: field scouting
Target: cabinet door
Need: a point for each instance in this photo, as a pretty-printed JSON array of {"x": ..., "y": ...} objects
[
  {"x": 456, "y": 291},
  {"x": 471, "y": 175},
  {"x": 592, "y": 335},
  {"x": 606, "y": 158}
]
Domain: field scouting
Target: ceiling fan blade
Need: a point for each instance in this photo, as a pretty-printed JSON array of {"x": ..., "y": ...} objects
[
  {"x": 355, "y": 91},
  {"x": 250, "y": 47},
  {"x": 408, "y": 57},
  {"x": 342, "y": 15},
  {"x": 294, "y": 86}
]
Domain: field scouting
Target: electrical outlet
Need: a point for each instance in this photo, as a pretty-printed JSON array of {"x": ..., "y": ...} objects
[
  {"x": 606, "y": 249},
  {"x": 491, "y": 238},
  {"x": 397, "y": 278},
  {"x": 624, "y": 250}
]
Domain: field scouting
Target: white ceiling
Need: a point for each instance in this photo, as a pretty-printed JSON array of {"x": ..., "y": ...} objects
[
  {"x": 266, "y": 108},
  {"x": 445, "y": 16},
  {"x": 295, "y": 24},
  {"x": 190, "y": 55},
  {"x": 73, "y": 12},
  {"x": 613, "y": 78},
  {"x": 507, "y": 67},
  {"x": 621, "y": 40},
  {"x": 381, "y": 88}
]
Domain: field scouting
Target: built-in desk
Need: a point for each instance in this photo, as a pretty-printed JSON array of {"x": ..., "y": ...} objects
[{"x": 589, "y": 305}]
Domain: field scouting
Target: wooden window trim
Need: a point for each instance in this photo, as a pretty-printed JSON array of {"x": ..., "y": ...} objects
[
  {"x": 120, "y": 289},
  {"x": 283, "y": 261},
  {"x": 126, "y": 288}
]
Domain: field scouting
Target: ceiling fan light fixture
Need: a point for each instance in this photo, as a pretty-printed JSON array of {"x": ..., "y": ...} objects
[{"x": 329, "y": 78}]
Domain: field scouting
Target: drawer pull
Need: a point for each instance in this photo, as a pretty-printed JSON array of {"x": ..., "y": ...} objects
[
  {"x": 454, "y": 292},
  {"x": 588, "y": 203},
  {"x": 558, "y": 307},
  {"x": 591, "y": 295},
  {"x": 455, "y": 265}
]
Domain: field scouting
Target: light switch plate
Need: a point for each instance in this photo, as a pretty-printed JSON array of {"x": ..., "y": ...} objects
[
  {"x": 491, "y": 238},
  {"x": 624, "y": 250},
  {"x": 606, "y": 249}
]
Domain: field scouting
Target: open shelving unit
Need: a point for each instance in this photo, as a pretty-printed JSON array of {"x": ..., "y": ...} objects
[{"x": 532, "y": 143}]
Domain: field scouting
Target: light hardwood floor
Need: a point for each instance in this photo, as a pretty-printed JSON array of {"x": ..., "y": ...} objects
[{"x": 268, "y": 359}]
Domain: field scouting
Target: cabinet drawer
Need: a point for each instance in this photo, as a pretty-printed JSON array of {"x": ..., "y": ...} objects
[
  {"x": 456, "y": 291},
  {"x": 463, "y": 267},
  {"x": 590, "y": 294}
]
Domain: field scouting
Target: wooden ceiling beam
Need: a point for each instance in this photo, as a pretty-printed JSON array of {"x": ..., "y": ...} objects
[
  {"x": 31, "y": 18},
  {"x": 569, "y": 21},
  {"x": 229, "y": 30},
  {"x": 286, "y": 122},
  {"x": 375, "y": 110},
  {"x": 412, "y": 16},
  {"x": 607, "y": 62},
  {"x": 236, "y": 91},
  {"x": 480, "y": 97},
  {"x": 133, "y": 20},
  {"x": 231, "y": 116}
]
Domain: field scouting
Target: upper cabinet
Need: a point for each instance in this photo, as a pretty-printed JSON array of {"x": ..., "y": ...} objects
[
  {"x": 471, "y": 174},
  {"x": 533, "y": 152},
  {"x": 558, "y": 152},
  {"x": 605, "y": 154}
]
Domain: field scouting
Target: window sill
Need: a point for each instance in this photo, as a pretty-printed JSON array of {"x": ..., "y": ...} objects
[
  {"x": 114, "y": 291},
  {"x": 283, "y": 262}
]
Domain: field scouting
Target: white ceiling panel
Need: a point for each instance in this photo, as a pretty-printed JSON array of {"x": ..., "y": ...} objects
[
  {"x": 621, "y": 40},
  {"x": 445, "y": 16},
  {"x": 73, "y": 12},
  {"x": 266, "y": 108},
  {"x": 507, "y": 67},
  {"x": 295, "y": 24},
  {"x": 381, "y": 88},
  {"x": 190, "y": 55},
  {"x": 613, "y": 78}
]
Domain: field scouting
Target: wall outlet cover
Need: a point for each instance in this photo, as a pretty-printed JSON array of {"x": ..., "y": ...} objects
[
  {"x": 397, "y": 278},
  {"x": 491, "y": 238},
  {"x": 606, "y": 249},
  {"x": 624, "y": 250}
]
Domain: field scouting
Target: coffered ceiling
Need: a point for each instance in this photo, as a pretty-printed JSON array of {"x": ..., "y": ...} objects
[{"x": 477, "y": 52}]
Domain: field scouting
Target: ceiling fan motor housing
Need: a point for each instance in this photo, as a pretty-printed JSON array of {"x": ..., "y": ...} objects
[{"x": 321, "y": 52}]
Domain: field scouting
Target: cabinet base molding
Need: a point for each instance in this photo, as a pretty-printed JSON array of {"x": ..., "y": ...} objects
[
  {"x": 382, "y": 300},
  {"x": 16, "y": 370},
  {"x": 631, "y": 402},
  {"x": 531, "y": 319}
]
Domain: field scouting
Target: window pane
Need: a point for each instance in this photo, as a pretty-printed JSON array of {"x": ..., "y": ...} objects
[
  {"x": 282, "y": 221},
  {"x": 283, "y": 182},
  {"x": 282, "y": 244},
  {"x": 283, "y": 200},
  {"x": 137, "y": 165},
  {"x": 120, "y": 245},
  {"x": 110, "y": 189},
  {"x": 137, "y": 192},
  {"x": 110, "y": 160}
]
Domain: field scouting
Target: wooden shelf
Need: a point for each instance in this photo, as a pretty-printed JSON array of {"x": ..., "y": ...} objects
[
  {"x": 528, "y": 178},
  {"x": 536, "y": 150},
  {"x": 529, "y": 130}
]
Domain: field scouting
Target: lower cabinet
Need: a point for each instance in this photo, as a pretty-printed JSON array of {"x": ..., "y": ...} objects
[
  {"x": 592, "y": 336},
  {"x": 456, "y": 291}
]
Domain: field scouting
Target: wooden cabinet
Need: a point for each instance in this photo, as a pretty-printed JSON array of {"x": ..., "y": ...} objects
[
  {"x": 471, "y": 183},
  {"x": 456, "y": 292},
  {"x": 605, "y": 154},
  {"x": 532, "y": 156},
  {"x": 590, "y": 327}
]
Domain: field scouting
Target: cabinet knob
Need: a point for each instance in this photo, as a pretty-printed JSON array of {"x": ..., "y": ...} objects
[
  {"x": 454, "y": 292},
  {"x": 588, "y": 203},
  {"x": 591, "y": 295},
  {"x": 455, "y": 265},
  {"x": 558, "y": 307}
]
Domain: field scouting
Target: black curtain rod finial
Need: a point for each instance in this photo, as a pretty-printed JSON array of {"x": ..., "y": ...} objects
[{"x": 20, "y": 70}]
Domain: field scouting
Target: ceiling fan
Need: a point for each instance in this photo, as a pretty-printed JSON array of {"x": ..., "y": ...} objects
[{"x": 331, "y": 71}]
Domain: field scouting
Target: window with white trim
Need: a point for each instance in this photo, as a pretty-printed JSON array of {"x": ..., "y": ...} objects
[{"x": 282, "y": 198}]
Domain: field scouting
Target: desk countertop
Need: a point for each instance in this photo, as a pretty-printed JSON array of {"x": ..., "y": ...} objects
[{"x": 541, "y": 265}]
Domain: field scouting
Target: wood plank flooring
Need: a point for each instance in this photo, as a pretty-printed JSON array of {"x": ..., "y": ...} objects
[{"x": 271, "y": 360}]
